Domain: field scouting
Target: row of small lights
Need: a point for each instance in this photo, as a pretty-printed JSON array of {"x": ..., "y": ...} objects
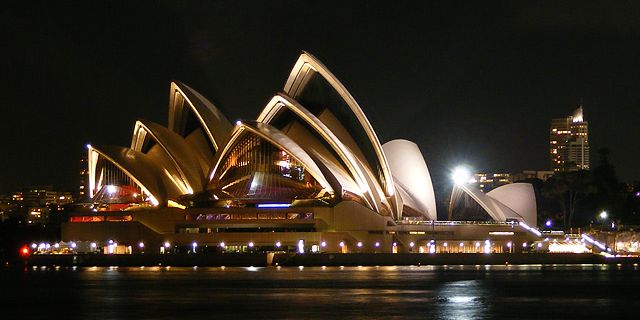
[
  {"x": 112, "y": 244},
  {"x": 278, "y": 244},
  {"x": 47, "y": 246},
  {"x": 251, "y": 244},
  {"x": 446, "y": 244},
  {"x": 358, "y": 244}
]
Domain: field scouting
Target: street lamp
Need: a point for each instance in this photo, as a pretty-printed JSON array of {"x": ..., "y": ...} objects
[
  {"x": 603, "y": 215},
  {"x": 548, "y": 223}
]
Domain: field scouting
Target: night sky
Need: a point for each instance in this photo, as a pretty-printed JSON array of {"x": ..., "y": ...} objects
[{"x": 471, "y": 83}]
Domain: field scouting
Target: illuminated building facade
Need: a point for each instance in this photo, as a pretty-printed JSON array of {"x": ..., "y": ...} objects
[
  {"x": 569, "y": 143},
  {"x": 309, "y": 174}
]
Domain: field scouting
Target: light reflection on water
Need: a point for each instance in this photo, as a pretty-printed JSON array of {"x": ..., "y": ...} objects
[{"x": 440, "y": 292}]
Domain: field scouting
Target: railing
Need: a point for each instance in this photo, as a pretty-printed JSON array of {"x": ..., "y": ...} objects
[
  {"x": 250, "y": 216},
  {"x": 451, "y": 223},
  {"x": 100, "y": 218}
]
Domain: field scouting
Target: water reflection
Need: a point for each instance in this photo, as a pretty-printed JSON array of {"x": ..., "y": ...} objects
[
  {"x": 460, "y": 300},
  {"x": 446, "y": 292}
]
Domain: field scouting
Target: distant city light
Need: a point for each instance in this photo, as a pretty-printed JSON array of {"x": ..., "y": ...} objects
[
  {"x": 167, "y": 244},
  {"x": 548, "y": 223},
  {"x": 341, "y": 244},
  {"x": 411, "y": 244},
  {"x": 73, "y": 245},
  {"x": 278, "y": 244},
  {"x": 377, "y": 244},
  {"x": 141, "y": 245},
  {"x": 222, "y": 245},
  {"x": 323, "y": 244},
  {"x": 460, "y": 175},
  {"x": 359, "y": 244},
  {"x": 33, "y": 245},
  {"x": 251, "y": 244}
]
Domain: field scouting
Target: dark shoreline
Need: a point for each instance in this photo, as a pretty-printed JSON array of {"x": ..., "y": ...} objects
[{"x": 327, "y": 259}]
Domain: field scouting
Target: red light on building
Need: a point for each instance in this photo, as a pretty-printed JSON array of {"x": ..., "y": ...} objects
[{"x": 24, "y": 251}]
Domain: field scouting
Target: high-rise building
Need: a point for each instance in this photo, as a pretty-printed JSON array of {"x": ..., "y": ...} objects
[{"x": 569, "y": 143}]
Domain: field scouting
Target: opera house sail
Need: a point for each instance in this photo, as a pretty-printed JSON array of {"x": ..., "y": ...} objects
[{"x": 309, "y": 168}]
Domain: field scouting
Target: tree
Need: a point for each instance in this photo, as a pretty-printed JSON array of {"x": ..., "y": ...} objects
[
  {"x": 610, "y": 192},
  {"x": 569, "y": 189}
]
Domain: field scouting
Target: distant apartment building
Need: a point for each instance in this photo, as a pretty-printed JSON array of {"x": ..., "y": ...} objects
[
  {"x": 17, "y": 197},
  {"x": 36, "y": 204},
  {"x": 486, "y": 182},
  {"x": 532, "y": 174},
  {"x": 37, "y": 196},
  {"x": 38, "y": 215},
  {"x": 6, "y": 206},
  {"x": 569, "y": 143},
  {"x": 489, "y": 181}
]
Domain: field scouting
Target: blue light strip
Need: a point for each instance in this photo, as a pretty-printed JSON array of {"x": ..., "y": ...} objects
[
  {"x": 533, "y": 230},
  {"x": 274, "y": 205},
  {"x": 594, "y": 242}
]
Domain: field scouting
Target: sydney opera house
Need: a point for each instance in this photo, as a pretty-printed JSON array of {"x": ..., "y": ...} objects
[{"x": 309, "y": 174}]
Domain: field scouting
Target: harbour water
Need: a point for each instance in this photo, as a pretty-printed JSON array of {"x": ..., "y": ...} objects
[{"x": 415, "y": 292}]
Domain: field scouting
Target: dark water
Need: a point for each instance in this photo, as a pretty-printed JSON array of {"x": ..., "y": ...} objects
[{"x": 444, "y": 292}]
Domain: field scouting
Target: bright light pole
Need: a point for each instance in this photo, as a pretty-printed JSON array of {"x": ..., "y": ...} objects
[{"x": 460, "y": 175}]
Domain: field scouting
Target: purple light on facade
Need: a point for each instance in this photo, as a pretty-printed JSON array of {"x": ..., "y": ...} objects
[{"x": 274, "y": 205}]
